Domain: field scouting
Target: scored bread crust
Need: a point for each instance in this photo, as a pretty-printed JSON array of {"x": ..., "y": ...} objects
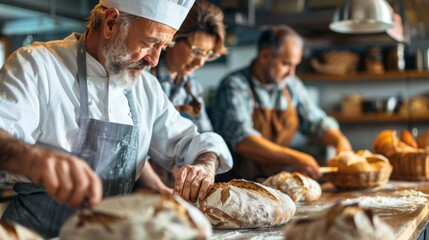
[
  {"x": 299, "y": 187},
  {"x": 245, "y": 204},
  {"x": 346, "y": 222},
  {"x": 14, "y": 231},
  {"x": 143, "y": 215}
]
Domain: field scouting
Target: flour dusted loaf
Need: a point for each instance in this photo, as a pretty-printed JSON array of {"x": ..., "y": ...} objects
[
  {"x": 14, "y": 231},
  {"x": 299, "y": 187},
  {"x": 138, "y": 216},
  {"x": 345, "y": 222},
  {"x": 245, "y": 204}
]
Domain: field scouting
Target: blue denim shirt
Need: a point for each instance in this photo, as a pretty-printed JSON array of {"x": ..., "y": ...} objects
[{"x": 179, "y": 96}]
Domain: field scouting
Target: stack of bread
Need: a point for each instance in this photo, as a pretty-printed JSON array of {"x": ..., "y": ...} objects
[
  {"x": 345, "y": 222},
  {"x": 359, "y": 170},
  {"x": 245, "y": 204},
  {"x": 138, "y": 216},
  {"x": 13, "y": 231},
  {"x": 408, "y": 156},
  {"x": 296, "y": 185}
]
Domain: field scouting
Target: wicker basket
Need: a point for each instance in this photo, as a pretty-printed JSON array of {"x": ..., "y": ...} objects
[
  {"x": 364, "y": 180},
  {"x": 412, "y": 166}
]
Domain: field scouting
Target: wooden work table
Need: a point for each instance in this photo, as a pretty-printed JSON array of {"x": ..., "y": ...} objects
[{"x": 406, "y": 224}]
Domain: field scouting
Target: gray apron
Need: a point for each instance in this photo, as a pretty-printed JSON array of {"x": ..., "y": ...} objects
[{"x": 109, "y": 148}]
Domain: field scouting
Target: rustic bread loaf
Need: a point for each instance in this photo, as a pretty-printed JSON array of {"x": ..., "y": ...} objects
[
  {"x": 387, "y": 143},
  {"x": 408, "y": 138},
  {"x": 360, "y": 161},
  {"x": 245, "y": 204},
  {"x": 423, "y": 140},
  {"x": 299, "y": 187},
  {"x": 345, "y": 222},
  {"x": 14, "y": 231},
  {"x": 139, "y": 216}
]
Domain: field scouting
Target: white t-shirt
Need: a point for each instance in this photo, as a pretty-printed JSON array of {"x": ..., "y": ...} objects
[{"x": 39, "y": 103}]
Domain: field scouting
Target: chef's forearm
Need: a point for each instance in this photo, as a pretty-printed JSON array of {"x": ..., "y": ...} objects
[
  {"x": 209, "y": 159},
  {"x": 11, "y": 149}
]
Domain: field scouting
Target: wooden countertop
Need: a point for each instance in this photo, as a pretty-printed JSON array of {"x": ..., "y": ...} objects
[{"x": 405, "y": 224}]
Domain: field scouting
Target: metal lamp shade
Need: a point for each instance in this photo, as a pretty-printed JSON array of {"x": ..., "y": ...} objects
[{"x": 362, "y": 16}]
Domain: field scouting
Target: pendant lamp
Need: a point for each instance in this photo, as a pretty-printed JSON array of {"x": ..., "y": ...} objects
[{"x": 362, "y": 16}]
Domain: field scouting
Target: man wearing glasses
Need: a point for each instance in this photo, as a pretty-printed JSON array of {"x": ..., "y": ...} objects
[
  {"x": 200, "y": 39},
  {"x": 79, "y": 116}
]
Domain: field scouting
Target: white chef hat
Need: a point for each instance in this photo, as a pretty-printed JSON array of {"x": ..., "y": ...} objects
[{"x": 168, "y": 12}]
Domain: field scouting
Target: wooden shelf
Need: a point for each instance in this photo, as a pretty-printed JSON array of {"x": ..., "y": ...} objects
[
  {"x": 380, "y": 118},
  {"x": 387, "y": 76}
]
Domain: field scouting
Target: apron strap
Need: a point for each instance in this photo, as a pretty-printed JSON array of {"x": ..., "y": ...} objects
[{"x": 81, "y": 78}]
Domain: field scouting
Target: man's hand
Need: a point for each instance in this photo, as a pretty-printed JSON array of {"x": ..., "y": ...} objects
[
  {"x": 306, "y": 164},
  {"x": 194, "y": 181},
  {"x": 65, "y": 177}
]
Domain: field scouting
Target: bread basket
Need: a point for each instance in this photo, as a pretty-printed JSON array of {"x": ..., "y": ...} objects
[
  {"x": 412, "y": 166},
  {"x": 359, "y": 180}
]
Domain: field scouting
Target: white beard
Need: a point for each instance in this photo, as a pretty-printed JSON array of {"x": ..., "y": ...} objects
[{"x": 118, "y": 65}]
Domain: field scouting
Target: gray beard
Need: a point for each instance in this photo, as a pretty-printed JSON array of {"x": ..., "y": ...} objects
[{"x": 117, "y": 63}]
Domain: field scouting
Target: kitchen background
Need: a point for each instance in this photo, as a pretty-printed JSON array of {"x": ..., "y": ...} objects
[{"x": 369, "y": 82}]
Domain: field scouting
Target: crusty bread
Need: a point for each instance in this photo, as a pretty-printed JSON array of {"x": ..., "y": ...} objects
[
  {"x": 408, "y": 138},
  {"x": 139, "y": 216},
  {"x": 245, "y": 204},
  {"x": 387, "y": 143},
  {"x": 358, "y": 162},
  {"x": 14, "y": 231},
  {"x": 345, "y": 222},
  {"x": 299, "y": 187},
  {"x": 423, "y": 140}
]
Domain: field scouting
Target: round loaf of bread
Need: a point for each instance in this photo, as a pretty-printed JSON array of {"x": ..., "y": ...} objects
[
  {"x": 358, "y": 162},
  {"x": 423, "y": 140},
  {"x": 345, "y": 222},
  {"x": 14, "y": 231},
  {"x": 245, "y": 204},
  {"x": 138, "y": 216},
  {"x": 297, "y": 186}
]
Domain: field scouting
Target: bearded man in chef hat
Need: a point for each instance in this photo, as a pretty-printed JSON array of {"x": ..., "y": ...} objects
[{"x": 78, "y": 116}]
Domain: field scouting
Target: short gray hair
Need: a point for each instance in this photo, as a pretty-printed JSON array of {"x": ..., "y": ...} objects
[{"x": 94, "y": 21}]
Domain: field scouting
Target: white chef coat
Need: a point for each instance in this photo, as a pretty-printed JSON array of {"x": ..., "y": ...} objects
[{"x": 39, "y": 103}]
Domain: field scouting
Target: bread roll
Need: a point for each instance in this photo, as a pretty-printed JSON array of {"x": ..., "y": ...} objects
[
  {"x": 296, "y": 185},
  {"x": 139, "y": 216},
  {"x": 408, "y": 138},
  {"x": 345, "y": 222},
  {"x": 423, "y": 140},
  {"x": 245, "y": 204},
  {"x": 361, "y": 161},
  {"x": 14, "y": 231},
  {"x": 388, "y": 143}
]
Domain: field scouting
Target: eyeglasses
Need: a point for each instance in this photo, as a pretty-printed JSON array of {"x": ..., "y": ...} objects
[{"x": 201, "y": 54}]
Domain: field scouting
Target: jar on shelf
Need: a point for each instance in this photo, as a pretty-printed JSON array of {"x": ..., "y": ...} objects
[
  {"x": 374, "y": 61},
  {"x": 395, "y": 58}
]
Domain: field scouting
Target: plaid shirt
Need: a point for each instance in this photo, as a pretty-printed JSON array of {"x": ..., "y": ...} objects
[
  {"x": 179, "y": 96},
  {"x": 234, "y": 103}
]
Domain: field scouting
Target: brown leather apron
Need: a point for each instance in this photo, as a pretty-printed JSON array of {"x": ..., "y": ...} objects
[
  {"x": 278, "y": 126},
  {"x": 190, "y": 110}
]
